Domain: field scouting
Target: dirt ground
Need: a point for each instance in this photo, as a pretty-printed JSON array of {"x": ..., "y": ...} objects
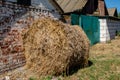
[{"x": 105, "y": 63}]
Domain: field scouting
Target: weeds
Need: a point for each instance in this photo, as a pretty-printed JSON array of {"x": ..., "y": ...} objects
[
  {"x": 32, "y": 78},
  {"x": 108, "y": 41}
]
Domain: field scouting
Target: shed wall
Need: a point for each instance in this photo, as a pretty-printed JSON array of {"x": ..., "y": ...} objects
[{"x": 108, "y": 28}]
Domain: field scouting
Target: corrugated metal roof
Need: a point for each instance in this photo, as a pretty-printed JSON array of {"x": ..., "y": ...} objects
[
  {"x": 111, "y": 11},
  {"x": 71, "y": 5}
]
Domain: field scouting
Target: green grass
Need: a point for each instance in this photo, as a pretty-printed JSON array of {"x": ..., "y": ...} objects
[
  {"x": 32, "y": 78},
  {"x": 44, "y": 78},
  {"x": 105, "y": 67},
  {"x": 102, "y": 69},
  {"x": 106, "y": 64}
]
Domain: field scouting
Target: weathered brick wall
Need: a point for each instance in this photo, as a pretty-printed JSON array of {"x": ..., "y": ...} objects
[
  {"x": 11, "y": 55},
  {"x": 11, "y": 49},
  {"x": 13, "y": 22}
]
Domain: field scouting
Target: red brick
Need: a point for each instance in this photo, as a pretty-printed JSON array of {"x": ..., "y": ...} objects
[
  {"x": 5, "y": 51},
  {"x": 5, "y": 60}
]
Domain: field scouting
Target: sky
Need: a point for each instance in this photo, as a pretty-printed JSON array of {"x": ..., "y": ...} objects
[{"x": 113, "y": 3}]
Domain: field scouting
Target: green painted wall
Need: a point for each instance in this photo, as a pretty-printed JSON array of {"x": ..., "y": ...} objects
[{"x": 89, "y": 24}]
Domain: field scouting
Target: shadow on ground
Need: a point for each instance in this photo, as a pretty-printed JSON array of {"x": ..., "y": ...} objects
[{"x": 75, "y": 69}]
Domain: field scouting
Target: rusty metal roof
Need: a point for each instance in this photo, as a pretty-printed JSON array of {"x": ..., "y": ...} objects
[
  {"x": 71, "y": 5},
  {"x": 111, "y": 11}
]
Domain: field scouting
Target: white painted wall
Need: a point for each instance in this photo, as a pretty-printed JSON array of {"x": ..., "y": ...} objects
[
  {"x": 42, "y": 3},
  {"x": 45, "y": 4},
  {"x": 103, "y": 27},
  {"x": 108, "y": 28}
]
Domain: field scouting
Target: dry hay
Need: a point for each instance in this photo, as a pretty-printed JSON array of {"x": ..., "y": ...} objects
[{"x": 52, "y": 47}]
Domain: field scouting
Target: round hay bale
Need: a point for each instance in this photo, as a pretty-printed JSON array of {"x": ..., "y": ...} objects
[{"x": 53, "y": 48}]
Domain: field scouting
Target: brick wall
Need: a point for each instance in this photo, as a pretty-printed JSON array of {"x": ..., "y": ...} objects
[
  {"x": 11, "y": 48},
  {"x": 13, "y": 22},
  {"x": 101, "y": 7}
]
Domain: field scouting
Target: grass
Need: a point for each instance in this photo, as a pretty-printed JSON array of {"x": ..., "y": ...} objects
[
  {"x": 106, "y": 63},
  {"x": 102, "y": 69}
]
